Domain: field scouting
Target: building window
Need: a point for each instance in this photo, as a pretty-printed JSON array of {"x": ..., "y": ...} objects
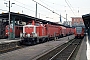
[
  {"x": 77, "y": 20},
  {"x": 74, "y": 20}
]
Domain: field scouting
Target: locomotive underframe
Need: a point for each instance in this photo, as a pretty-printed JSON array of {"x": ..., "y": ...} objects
[
  {"x": 79, "y": 36},
  {"x": 34, "y": 40},
  {"x": 37, "y": 40}
]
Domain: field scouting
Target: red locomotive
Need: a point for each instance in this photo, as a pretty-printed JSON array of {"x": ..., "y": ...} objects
[
  {"x": 79, "y": 32},
  {"x": 69, "y": 31},
  {"x": 33, "y": 33}
]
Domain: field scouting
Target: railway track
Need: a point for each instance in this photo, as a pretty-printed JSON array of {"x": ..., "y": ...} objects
[
  {"x": 10, "y": 47},
  {"x": 63, "y": 52}
]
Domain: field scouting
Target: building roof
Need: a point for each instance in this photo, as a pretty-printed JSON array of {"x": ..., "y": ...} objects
[
  {"x": 25, "y": 18},
  {"x": 76, "y": 17},
  {"x": 86, "y": 19}
]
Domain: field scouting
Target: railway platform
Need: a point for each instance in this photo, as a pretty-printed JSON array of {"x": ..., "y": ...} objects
[
  {"x": 30, "y": 52},
  {"x": 84, "y": 51},
  {"x": 8, "y": 44}
]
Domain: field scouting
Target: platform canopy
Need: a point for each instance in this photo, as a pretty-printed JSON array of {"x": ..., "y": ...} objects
[
  {"x": 24, "y": 18},
  {"x": 86, "y": 19}
]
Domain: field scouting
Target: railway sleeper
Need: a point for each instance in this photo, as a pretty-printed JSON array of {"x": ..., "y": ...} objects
[{"x": 8, "y": 46}]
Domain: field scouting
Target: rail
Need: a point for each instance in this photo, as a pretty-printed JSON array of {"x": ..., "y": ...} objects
[{"x": 62, "y": 52}]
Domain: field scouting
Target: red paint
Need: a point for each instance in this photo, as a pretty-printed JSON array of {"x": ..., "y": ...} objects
[
  {"x": 52, "y": 30},
  {"x": 17, "y": 31}
]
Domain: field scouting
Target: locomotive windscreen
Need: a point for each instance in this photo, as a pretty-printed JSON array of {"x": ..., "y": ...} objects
[{"x": 79, "y": 30}]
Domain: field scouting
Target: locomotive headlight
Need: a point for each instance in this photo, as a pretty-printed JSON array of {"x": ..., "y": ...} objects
[
  {"x": 28, "y": 35},
  {"x": 7, "y": 33},
  {"x": 23, "y": 34}
]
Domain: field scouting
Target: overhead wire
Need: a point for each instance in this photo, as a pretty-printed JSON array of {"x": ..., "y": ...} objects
[
  {"x": 3, "y": 10},
  {"x": 70, "y": 4},
  {"x": 48, "y": 8},
  {"x": 34, "y": 11},
  {"x": 54, "y": 9},
  {"x": 53, "y": 3},
  {"x": 69, "y": 7},
  {"x": 48, "y": 5},
  {"x": 24, "y": 7},
  {"x": 45, "y": 4},
  {"x": 23, "y": 4},
  {"x": 27, "y": 8}
]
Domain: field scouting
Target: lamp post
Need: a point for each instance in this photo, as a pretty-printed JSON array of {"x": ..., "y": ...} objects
[
  {"x": 36, "y": 10},
  {"x": 66, "y": 19},
  {"x": 9, "y": 19},
  {"x": 9, "y": 16},
  {"x": 60, "y": 18}
]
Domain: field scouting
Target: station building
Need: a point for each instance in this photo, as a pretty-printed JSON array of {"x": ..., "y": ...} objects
[{"x": 77, "y": 21}]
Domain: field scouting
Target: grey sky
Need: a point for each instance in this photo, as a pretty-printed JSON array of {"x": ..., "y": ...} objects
[{"x": 59, "y": 6}]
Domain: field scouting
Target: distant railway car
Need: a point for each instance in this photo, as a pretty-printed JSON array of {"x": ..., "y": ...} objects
[
  {"x": 53, "y": 31},
  {"x": 2, "y": 29},
  {"x": 63, "y": 29},
  {"x": 68, "y": 30},
  {"x": 79, "y": 32},
  {"x": 18, "y": 30},
  {"x": 60, "y": 31},
  {"x": 72, "y": 31}
]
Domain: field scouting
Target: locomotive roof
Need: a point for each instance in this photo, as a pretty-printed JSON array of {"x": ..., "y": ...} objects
[{"x": 26, "y": 18}]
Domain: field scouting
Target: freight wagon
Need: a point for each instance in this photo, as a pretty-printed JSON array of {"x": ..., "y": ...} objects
[
  {"x": 53, "y": 31},
  {"x": 69, "y": 30},
  {"x": 63, "y": 29}
]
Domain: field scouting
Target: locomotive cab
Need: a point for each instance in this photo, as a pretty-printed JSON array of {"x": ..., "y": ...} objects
[
  {"x": 33, "y": 32},
  {"x": 79, "y": 32},
  {"x": 33, "y": 29}
]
